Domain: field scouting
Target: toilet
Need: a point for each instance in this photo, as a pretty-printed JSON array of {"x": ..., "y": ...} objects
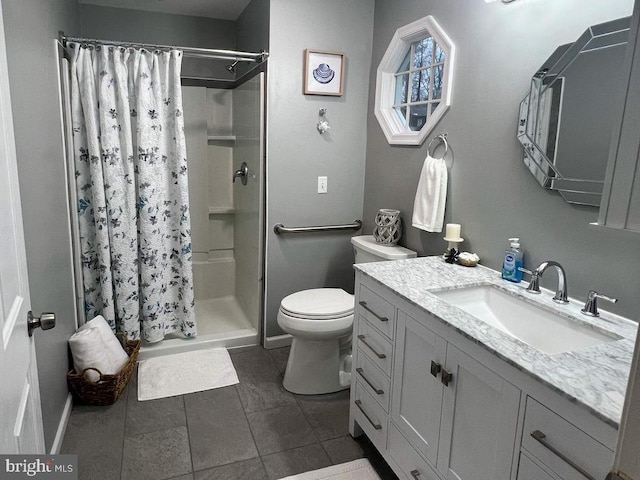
[{"x": 320, "y": 320}]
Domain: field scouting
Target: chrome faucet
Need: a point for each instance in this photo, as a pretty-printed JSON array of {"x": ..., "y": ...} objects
[{"x": 561, "y": 291}]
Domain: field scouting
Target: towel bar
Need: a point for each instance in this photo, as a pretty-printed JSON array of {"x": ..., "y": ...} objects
[{"x": 280, "y": 228}]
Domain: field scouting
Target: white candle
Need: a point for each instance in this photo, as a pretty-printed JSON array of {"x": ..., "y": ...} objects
[{"x": 453, "y": 230}]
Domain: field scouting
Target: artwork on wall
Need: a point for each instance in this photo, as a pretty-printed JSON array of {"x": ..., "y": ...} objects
[{"x": 323, "y": 72}]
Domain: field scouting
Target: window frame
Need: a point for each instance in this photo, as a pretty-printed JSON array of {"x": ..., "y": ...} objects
[{"x": 396, "y": 131}]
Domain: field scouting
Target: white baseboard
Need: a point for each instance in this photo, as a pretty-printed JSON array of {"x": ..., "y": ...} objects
[
  {"x": 278, "y": 341},
  {"x": 62, "y": 426}
]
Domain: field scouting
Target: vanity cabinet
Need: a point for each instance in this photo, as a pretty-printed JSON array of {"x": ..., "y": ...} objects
[
  {"x": 438, "y": 406},
  {"x": 457, "y": 413},
  {"x": 433, "y": 411}
]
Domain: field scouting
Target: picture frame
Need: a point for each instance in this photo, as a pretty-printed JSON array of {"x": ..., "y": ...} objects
[{"x": 323, "y": 72}]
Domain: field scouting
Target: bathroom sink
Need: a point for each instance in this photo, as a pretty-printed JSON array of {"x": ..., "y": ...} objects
[{"x": 539, "y": 328}]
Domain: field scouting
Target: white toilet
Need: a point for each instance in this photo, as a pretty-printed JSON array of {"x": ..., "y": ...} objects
[{"x": 320, "y": 321}]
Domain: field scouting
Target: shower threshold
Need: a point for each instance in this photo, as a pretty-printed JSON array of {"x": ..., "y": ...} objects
[{"x": 221, "y": 323}]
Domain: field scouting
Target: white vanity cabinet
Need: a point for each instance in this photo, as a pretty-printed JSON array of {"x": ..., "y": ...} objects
[
  {"x": 457, "y": 413},
  {"x": 439, "y": 406},
  {"x": 433, "y": 411}
]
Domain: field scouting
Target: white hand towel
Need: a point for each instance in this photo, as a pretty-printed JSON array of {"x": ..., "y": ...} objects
[
  {"x": 89, "y": 350},
  {"x": 431, "y": 195},
  {"x": 119, "y": 356}
]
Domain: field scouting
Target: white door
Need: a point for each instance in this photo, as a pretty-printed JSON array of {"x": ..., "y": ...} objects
[{"x": 20, "y": 414}]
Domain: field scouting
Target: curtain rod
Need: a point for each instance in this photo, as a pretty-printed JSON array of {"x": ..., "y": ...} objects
[{"x": 187, "y": 51}]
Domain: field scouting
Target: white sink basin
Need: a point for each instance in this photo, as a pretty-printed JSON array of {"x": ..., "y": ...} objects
[{"x": 538, "y": 328}]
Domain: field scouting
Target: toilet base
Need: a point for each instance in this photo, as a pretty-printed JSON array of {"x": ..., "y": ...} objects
[{"x": 318, "y": 366}]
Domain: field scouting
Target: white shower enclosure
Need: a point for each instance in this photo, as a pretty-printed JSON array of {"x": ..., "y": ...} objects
[{"x": 223, "y": 129}]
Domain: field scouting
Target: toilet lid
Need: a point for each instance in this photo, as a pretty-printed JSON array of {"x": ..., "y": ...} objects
[{"x": 318, "y": 303}]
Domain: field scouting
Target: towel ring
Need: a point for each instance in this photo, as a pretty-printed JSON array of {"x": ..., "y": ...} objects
[{"x": 442, "y": 138}]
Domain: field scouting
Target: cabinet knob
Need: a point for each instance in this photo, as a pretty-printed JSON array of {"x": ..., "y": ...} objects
[
  {"x": 415, "y": 474},
  {"x": 446, "y": 377},
  {"x": 436, "y": 368}
]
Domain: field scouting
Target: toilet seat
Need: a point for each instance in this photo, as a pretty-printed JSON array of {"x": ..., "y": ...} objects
[{"x": 318, "y": 304}]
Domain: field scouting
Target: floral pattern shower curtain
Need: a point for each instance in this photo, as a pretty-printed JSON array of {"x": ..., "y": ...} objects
[{"x": 131, "y": 178}]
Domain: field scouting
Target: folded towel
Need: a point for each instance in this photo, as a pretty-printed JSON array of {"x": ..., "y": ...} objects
[
  {"x": 431, "y": 195},
  {"x": 109, "y": 337},
  {"x": 95, "y": 346}
]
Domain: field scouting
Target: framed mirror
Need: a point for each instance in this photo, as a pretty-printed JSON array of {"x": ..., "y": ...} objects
[{"x": 566, "y": 120}]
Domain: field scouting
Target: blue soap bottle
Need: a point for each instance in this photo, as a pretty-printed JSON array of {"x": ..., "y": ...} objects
[{"x": 512, "y": 262}]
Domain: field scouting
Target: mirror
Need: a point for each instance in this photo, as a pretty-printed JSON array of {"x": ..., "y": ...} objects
[{"x": 566, "y": 120}]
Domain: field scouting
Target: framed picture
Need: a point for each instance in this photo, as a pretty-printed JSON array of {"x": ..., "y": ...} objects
[{"x": 323, "y": 72}]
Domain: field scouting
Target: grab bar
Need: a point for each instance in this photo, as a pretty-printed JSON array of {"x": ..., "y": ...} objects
[{"x": 280, "y": 228}]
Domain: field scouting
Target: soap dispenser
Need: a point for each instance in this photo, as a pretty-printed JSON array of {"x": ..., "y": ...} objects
[{"x": 512, "y": 262}]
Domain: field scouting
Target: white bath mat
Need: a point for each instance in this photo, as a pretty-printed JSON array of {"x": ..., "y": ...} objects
[
  {"x": 357, "y": 470},
  {"x": 181, "y": 373}
]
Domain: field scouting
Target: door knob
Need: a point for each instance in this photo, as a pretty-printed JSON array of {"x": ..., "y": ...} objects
[{"x": 46, "y": 321}]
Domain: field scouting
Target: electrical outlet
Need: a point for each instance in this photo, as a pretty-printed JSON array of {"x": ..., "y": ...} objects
[{"x": 322, "y": 184}]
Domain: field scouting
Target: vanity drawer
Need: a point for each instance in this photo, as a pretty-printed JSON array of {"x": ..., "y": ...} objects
[
  {"x": 374, "y": 345},
  {"x": 371, "y": 417},
  {"x": 529, "y": 470},
  {"x": 412, "y": 464},
  {"x": 563, "y": 447},
  {"x": 377, "y": 310},
  {"x": 373, "y": 380}
]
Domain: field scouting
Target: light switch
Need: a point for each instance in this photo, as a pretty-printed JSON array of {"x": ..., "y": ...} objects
[{"x": 322, "y": 184}]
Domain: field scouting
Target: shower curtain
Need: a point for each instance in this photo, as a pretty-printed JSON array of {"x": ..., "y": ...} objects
[{"x": 131, "y": 179}]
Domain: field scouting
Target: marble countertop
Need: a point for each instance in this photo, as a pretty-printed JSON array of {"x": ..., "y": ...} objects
[{"x": 594, "y": 377}]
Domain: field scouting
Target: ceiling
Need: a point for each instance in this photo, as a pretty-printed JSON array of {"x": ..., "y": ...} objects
[{"x": 221, "y": 9}]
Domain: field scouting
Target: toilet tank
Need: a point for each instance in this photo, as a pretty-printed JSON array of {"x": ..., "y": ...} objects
[{"x": 366, "y": 249}]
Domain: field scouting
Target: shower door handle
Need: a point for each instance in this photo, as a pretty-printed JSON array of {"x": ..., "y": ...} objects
[{"x": 242, "y": 172}]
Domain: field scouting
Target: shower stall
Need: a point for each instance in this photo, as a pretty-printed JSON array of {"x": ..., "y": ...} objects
[{"x": 223, "y": 107}]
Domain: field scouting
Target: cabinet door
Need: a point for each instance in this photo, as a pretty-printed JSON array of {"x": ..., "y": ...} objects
[
  {"x": 417, "y": 394},
  {"x": 479, "y": 419}
]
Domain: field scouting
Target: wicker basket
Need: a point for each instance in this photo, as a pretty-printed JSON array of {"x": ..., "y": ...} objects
[{"x": 109, "y": 387}]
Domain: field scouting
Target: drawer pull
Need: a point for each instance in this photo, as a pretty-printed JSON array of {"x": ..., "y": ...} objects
[
  {"x": 446, "y": 377},
  {"x": 363, "y": 304},
  {"x": 436, "y": 368},
  {"x": 377, "y": 426},
  {"x": 375, "y": 389},
  {"x": 415, "y": 474},
  {"x": 541, "y": 438},
  {"x": 362, "y": 339}
]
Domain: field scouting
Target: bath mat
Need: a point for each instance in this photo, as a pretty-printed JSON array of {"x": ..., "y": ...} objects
[
  {"x": 181, "y": 373},
  {"x": 357, "y": 470}
]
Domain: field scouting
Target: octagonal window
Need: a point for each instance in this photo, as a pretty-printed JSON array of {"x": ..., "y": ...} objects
[{"x": 413, "y": 88}]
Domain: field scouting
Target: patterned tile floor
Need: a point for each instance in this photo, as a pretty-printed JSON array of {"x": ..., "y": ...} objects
[{"x": 255, "y": 430}]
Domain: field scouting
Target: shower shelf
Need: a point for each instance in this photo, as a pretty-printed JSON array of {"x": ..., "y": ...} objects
[
  {"x": 221, "y": 210},
  {"x": 221, "y": 138}
]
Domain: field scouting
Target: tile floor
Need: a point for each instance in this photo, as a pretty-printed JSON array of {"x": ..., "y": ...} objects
[{"x": 255, "y": 430}]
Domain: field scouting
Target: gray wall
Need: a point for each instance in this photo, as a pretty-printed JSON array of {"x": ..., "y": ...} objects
[
  {"x": 297, "y": 154},
  {"x": 128, "y": 25},
  {"x": 31, "y": 26},
  {"x": 252, "y": 30},
  {"x": 491, "y": 193}
]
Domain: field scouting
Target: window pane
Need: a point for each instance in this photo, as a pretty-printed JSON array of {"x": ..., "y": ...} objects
[
  {"x": 402, "y": 114},
  {"x": 417, "y": 117},
  {"x": 402, "y": 83},
  {"x": 404, "y": 66},
  {"x": 423, "y": 50},
  {"x": 434, "y": 105},
  {"x": 420, "y": 86},
  {"x": 437, "y": 81},
  {"x": 440, "y": 55}
]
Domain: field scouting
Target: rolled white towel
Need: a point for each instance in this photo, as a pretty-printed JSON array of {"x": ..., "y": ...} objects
[
  {"x": 89, "y": 350},
  {"x": 119, "y": 356}
]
